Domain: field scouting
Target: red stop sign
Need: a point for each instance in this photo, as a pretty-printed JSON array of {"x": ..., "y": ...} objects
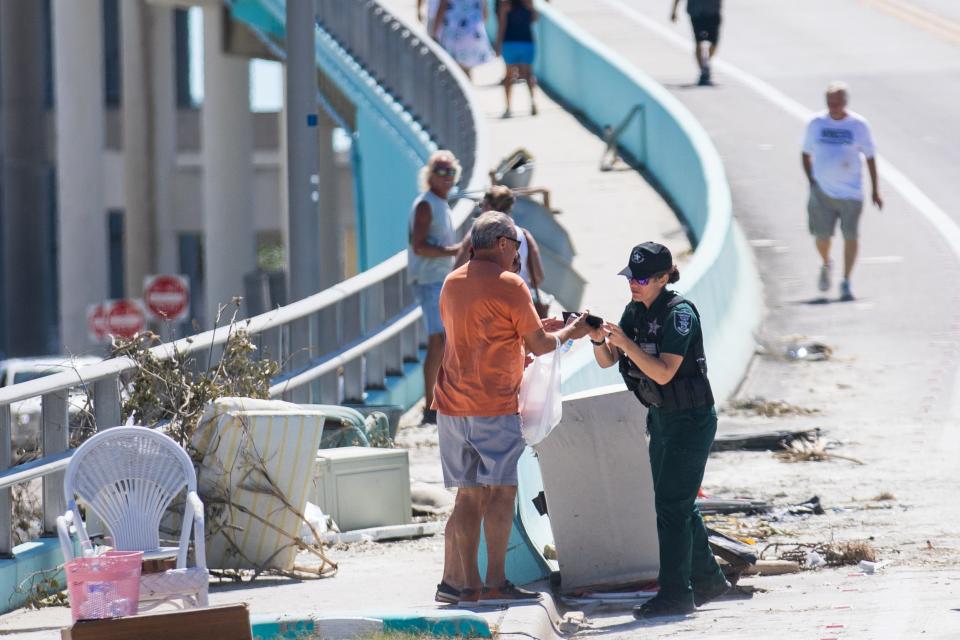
[
  {"x": 125, "y": 318},
  {"x": 166, "y": 297},
  {"x": 97, "y": 322}
]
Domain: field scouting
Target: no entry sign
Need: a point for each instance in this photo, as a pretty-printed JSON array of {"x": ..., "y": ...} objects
[
  {"x": 166, "y": 297},
  {"x": 97, "y": 322},
  {"x": 125, "y": 318}
]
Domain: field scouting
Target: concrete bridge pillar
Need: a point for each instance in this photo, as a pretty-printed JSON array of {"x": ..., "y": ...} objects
[
  {"x": 82, "y": 226},
  {"x": 27, "y": 265},
  {"x": 163, "y": 89},
  {"x": 139, "y": 228},
  {"x": 227, "y": 142}
]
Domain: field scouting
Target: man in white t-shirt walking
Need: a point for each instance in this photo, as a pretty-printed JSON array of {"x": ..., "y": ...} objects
[{"x": 834, "y": 141}]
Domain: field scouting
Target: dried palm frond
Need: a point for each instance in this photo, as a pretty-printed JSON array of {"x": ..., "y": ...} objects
[
  {"x": 851, "y": 552},
  {"x": 811, "y": 451},
  {"x": 770, "y": 408}
]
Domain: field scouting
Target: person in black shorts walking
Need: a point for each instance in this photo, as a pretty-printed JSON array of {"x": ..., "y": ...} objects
[{"x": 705, "y": 18}]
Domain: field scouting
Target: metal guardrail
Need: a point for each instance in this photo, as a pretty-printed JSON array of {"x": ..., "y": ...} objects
[
  {"x": 414, "y": 69},
  {"x": 360, "y": 331}
]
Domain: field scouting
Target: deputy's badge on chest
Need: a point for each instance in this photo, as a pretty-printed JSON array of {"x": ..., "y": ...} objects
[
  {"x": 682, "y": 321},
  {"x": 653, "y": 327}
]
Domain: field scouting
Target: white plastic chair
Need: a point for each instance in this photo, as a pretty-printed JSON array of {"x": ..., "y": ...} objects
[{"x": 128, "y": 476}]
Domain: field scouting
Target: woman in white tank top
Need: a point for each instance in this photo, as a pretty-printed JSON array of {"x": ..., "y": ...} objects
[{"x": 501, "y": 198}]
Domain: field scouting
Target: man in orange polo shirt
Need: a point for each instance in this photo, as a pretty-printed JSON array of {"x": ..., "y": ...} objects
[{"x": 489, "y": 320}]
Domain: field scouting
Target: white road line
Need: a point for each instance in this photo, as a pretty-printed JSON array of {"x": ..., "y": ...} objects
[
  {"x": 947, "y": 228},
  {"x": 880, "y": 260}
]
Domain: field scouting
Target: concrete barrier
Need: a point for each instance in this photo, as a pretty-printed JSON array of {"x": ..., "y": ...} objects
[{"x": 594, "y": 81}]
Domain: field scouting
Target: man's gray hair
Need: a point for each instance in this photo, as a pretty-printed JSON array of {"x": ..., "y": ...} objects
[
  {"x": 488, "y": 227},
  {"x": 838, "y": 86}
]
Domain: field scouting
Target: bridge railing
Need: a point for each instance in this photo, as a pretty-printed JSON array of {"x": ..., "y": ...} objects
[
  {"x": 371, "y": 318},
  {"x": 414, "y": 69}
]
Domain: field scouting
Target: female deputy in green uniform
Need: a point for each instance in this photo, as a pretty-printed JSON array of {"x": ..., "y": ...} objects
[{"x": 659, "y": 348}]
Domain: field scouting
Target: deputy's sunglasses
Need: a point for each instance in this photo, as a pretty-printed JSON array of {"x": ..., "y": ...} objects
[
  {"x": 641, "y": 281},
  {"x": 445, "y": 172}
]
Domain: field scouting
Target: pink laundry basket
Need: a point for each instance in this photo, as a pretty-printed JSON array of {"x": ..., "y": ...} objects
[{"x": 104, "y": 586}]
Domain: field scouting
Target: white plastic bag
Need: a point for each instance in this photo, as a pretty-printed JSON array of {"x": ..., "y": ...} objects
[{"x": 540, "y": 403}]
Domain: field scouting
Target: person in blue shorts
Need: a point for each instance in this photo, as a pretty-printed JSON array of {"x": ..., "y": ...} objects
[
  {"x": 515, "y": 44},
  {"x": 432, "y": 247}
]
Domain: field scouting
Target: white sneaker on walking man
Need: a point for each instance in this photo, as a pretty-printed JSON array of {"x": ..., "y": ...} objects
[{"x": 834, "y": 141}]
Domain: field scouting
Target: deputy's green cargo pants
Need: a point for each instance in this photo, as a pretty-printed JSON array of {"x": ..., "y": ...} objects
[{"x": 679, "y": 446}]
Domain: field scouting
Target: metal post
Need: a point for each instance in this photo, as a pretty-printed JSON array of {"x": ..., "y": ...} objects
[
  {"x": 351, "y": 323},
  {"x": 106, "y": 411},
  {"x": 106, "y": 403},
  {"x": 328, "y": 340},
  {"x": 374, "y": 317},
  {"x": 330, "y": 253},
  {"x": 55, "y": 430},
  {"x": 6, "y": 503},
  {"x": 302, "y": 169},
  {"x": 409, "y": 341},
  {"x": 393, "y": 349}
]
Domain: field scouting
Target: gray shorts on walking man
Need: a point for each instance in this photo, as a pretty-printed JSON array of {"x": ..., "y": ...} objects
[
  {"x": 824, "y": 211},
  {"x": 479, "y": 451}
]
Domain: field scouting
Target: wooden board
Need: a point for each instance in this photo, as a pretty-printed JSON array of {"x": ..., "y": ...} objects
[{"x": 230, "y": 622}]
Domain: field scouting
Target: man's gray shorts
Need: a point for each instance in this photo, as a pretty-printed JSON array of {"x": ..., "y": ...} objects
[
  {"x": 479, "y": 451},
  {"x": 824, "y": 211}
]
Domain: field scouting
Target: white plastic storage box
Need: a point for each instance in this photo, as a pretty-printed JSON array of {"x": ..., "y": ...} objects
[{"x": 361, "y": 487}]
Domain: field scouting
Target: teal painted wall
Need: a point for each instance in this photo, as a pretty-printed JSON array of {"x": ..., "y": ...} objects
[
  {"x": 388, "y": 168},
  {"x": 29, "y": 559}
]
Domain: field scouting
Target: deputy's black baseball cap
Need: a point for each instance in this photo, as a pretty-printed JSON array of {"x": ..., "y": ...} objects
[{"x": 648, "y": 259}]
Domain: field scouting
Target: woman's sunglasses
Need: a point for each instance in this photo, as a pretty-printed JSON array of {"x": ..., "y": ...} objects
[{"x": 445, "y": 172}]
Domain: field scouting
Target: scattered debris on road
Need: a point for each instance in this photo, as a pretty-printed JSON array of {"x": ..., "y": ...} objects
[
  {"x": 772, "y": 568},
  {"x": 734, "y": 505},
  {"x": 769, "y": 408},
  {"x": 809, "y": 350},
  {"x": 765, "y": 441},
  {"x": 834, "y": 554},
  {"x": 816, "y": 451}
]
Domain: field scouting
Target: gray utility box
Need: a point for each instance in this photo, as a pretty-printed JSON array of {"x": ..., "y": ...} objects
[{"x": 362, "y": 487}]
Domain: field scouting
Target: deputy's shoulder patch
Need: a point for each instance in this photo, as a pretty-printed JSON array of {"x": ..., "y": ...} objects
[{"x": 682, "y": 321}]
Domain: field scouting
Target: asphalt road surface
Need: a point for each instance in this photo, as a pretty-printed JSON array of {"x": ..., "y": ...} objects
[
  {"x": 890, "y": 394},
  {"x": 902, "y": 61}
]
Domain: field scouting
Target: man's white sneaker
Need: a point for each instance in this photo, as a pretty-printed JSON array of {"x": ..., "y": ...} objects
[{"x": 824, "y": 283}]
